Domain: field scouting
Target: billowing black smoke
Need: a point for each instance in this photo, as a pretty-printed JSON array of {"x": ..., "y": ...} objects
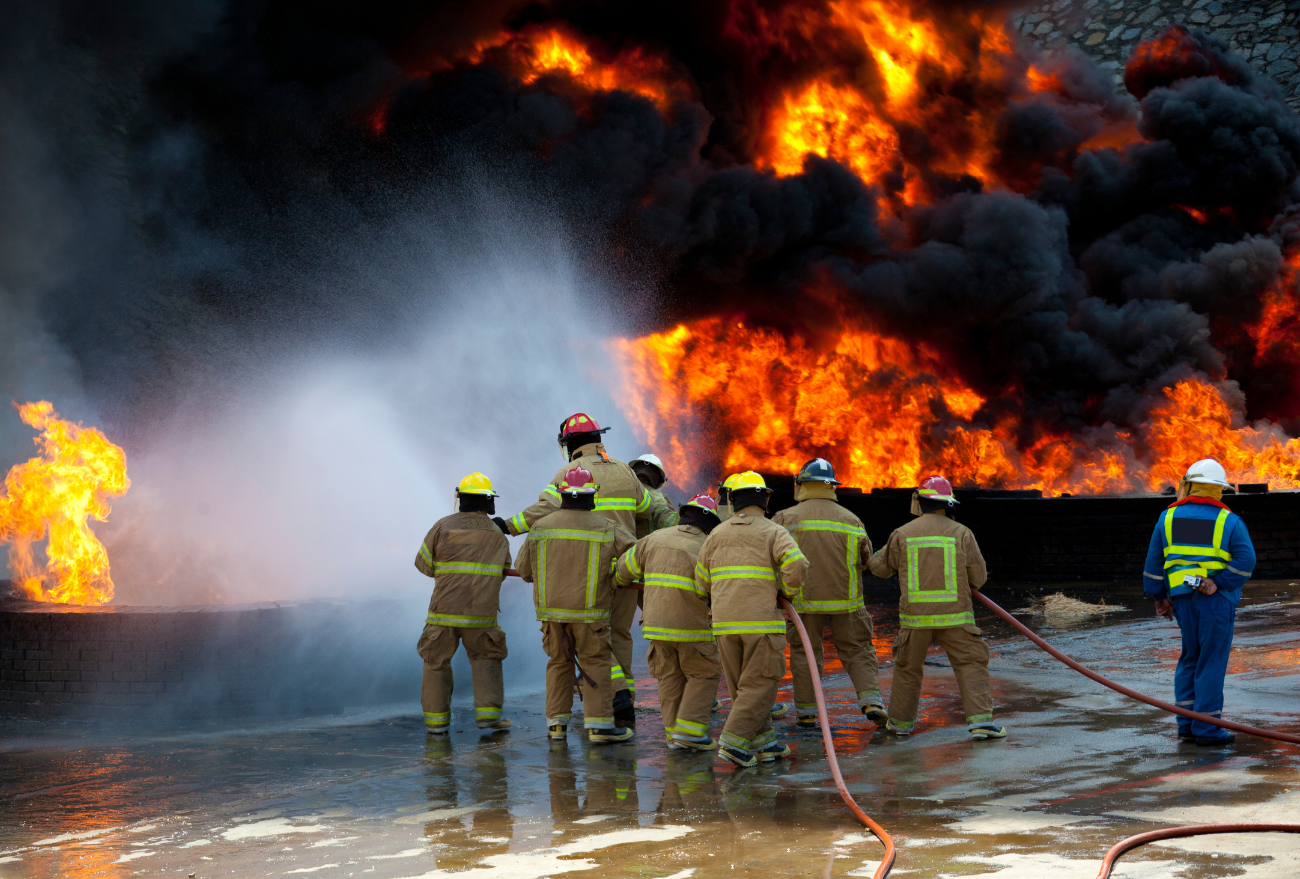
[{"x": 247, "y": 168}]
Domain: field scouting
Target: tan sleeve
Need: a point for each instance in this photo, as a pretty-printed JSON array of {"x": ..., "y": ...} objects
[
  {"x": 425, "y": 558},
  {"x": 524, "y": 564},
  {"x": 977, "y": 573},
  {"x": 629, "y": 569},
  {"x": 622, "y": 540},
  {"x": 881, "y": 563},
  {"x": 547, "y": 502},
  {"x": 662, "y": 514},
  {"x": 789, "y": 559},
  {"x": 703, "y": 581},
  {"x": 645, "y": 509},
  {"x": 864, "y": 548}
]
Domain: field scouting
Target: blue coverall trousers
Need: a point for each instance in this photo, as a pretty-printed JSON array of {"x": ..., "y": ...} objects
[{"x": 1206, "y": 622}]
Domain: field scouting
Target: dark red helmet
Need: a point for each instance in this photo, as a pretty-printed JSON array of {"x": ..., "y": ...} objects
[
  {"x": 579, "y": 422},
  {"x": 705, "y": 502},
  {"x": 578, "y": 480}
]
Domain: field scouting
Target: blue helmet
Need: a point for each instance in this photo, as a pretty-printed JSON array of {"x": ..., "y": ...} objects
[{"x": 817, "y": 470}]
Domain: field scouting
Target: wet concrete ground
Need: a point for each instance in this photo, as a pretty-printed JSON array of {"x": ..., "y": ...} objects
[{"x": 371, "y": 796}]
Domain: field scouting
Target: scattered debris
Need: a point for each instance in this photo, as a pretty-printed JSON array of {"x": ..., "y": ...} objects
[{"x": 1062, "y": 607}]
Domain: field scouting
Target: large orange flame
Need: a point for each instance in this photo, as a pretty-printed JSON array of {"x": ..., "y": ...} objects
[
  {"x": 716, "y": 396},
  {"x": 54, "y": 495}
]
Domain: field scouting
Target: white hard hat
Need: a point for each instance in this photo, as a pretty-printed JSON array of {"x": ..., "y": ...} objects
[
  {"x": 1208, "y": 472},
  {"x": 652, "y": 460}
]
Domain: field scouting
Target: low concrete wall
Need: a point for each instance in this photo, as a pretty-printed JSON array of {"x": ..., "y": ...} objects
[
  {"x": 1076, "y": 538},
  {"x": 195, "y": 663}
]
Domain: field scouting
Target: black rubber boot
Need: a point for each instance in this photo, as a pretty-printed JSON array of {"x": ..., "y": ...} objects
[{"x": 624, "y": 713}]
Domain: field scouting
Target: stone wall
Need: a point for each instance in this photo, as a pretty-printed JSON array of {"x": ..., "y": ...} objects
[
  {"x": 1027, "y": 538},
  {"x": 199, "y": 663},
  {"x": 1263, "y": 32}
]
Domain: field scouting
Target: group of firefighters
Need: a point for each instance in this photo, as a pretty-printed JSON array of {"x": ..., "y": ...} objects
[{"x": 602, "y": 540}]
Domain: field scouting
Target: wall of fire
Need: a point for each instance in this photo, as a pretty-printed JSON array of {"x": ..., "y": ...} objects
[{"x": 1265, "y": 33}]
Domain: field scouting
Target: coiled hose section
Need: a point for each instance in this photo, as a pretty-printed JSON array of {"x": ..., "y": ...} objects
[
  {"x": 1108, "y": 862},
  {"x": 887, "y": 862}
]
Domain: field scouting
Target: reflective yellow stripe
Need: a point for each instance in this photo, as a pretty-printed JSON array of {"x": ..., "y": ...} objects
[
  {"x": 475, "y": 568},
  {"x": 564, "y": 613},
  {"x": 487, "y": 713},
  {"x": 826, "y": 525},
  {"x": 948, "y": 546},
  {"x": 1193, "y": 558},
  {"x": 702, "y": 573},
  {"x": 791, "y": 555},
  {"x": 425, "y": 554},
  {"x": 616, "y": 503},
  {"x": 573, "y": 534},
  {"x": 658, "y": 633},
  {"x": 551, "y": 489},
  {"x": 644, "y": 503},
  {"x": 939, "y": 621},
  {"x": 632, "y": 564},
  {"x": 829, "y": 606},
  {"x": 518, "y": 521},
  {"x": 750, "y": 627},
  {"x": 461, "y": 622},
  {"x": 672, "y": 581},
  {"x": 741, "y": 572}
]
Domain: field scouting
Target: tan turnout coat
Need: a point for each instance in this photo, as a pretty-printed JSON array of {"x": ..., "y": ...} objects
[
  {"x": 467, "y": 555},
  {"x": 675, "y": 608},
  {"x": 620, "y": 496},
  {"x": 569, "y": 558},
  {"x": 938, "y": 562},
  {"x": 838, "y": 550},
  {"x": 743, "y": 564}
]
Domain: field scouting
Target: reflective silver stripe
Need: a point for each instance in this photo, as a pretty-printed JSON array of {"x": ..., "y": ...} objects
[
  {"x": 1239, "y": 573},
  {"x": 1155, "y": 577}
]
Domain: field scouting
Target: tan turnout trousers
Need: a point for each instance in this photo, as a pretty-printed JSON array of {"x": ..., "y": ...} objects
[
  {"x": 969, "y": 656},
  {"x": 485, "y": 647},
  {"x": 588, "y": 643},
  {"x": 688, "y": 673},
  {"x": 851, "y": 634},
  {"x": 622, "y": 610},
  {"x": 753, "y": 665}
]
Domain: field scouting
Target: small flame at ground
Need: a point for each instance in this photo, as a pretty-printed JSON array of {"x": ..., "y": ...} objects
[{"x": 54, "y": 495}]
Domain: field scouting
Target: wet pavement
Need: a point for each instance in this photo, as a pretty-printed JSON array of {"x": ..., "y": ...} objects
[{"x": 370, "y": 795}]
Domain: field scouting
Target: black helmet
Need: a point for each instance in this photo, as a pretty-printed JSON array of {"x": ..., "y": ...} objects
[{"x": 817, "y": 470}]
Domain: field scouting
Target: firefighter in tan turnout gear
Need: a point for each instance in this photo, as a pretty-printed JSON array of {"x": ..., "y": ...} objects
[
  {"x": 838, "y": 549},
  {"x": 938, "y": 563},
  {"x": 675, "y": 620},
  {"x": 624, "y": 501},
  {"x": 650, "y": 470},
  {"x": 467, "y": 555},
  {"x": 744, "y": 564},
  {"x": 569, "y": 558}
]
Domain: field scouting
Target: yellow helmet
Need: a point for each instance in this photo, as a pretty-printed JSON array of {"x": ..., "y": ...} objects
[
  {"x": 730, "y": 482},
  {"x": 476, "y": 483},
  {"x": 748, "y": 479}
]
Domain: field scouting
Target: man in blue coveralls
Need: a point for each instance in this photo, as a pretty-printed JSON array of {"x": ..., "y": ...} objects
[{"x": 1199, "y": 537}]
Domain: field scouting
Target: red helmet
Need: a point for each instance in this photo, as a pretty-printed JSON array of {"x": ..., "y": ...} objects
[
  {"x": 936, "y": 488},
  {"x": 578, "y": 480},
  {"x": 704, "y": 502},
  {"x": 579, "y": 422}
]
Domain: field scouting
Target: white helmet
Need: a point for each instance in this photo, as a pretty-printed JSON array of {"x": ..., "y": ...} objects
[
  {"x": 653, "y": 461},
  {"x": 1208, "y": 472}
]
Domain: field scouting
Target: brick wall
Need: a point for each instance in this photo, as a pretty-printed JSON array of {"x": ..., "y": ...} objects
[
  {"x": 203, "y": 662},
  {"x": 1076, "y": 538}
]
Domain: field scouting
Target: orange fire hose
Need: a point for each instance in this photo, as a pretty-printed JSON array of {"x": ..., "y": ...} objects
[
  {"x": 1108, "y": 862},
  {"x": 886, "y": 863}
]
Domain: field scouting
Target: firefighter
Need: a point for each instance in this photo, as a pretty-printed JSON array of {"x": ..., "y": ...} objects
[
  {"x": 624, "y": 501},
  {"x": 838, "y": 549},
  {"x": 744, "y": 564},
  {"x": 1199, "y": 537},
  {"x": 938, "y": 563},
  {"x": 675, "y": 620},
  {"x": 650, "y": 470},
  {"x": 569, "y": 558},
  {"x": 468, "y": 556}
]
